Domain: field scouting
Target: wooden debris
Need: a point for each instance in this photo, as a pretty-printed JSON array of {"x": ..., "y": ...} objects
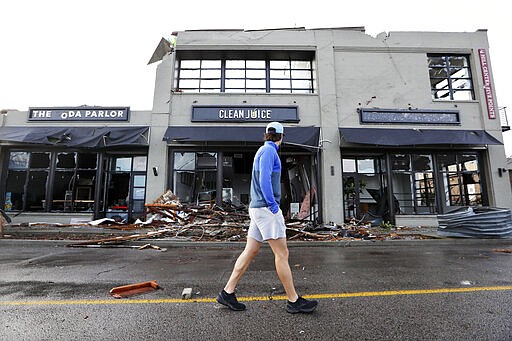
[
  {"x": 503, "y": 250},
  {"x": 134, "y": 289},
  {"x": 150, "y": 246},
  {"x": 205, "y": 221},
  {"x": 116, "y": 240}
]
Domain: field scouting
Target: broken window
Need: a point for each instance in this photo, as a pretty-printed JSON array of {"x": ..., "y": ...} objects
[
  {"x": 418, "y": 187},
  {"x": 74, "y": 182},
  {"x": 16, "y": 180},
  {"x": 299, "y": 198},
  {"x": 195, "y": 176},
  {"x": 413, "y": 183},
  {"x": 363, "y": 185},
  {"x": 26, "y": 180},
  {"x": 424, "y": 186},
  {"x": 461, "y": 179},
  {"x": 126, "y": 187},
  {"x": 236, "y": 183},
  {"x": 450, "y": 77},
  {"x": 71, "y": 187}
]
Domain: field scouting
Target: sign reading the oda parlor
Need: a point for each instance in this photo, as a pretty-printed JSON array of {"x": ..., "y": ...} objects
[
  {"x": 79, "y": 114},
  {"x": 245, "y": 114}
]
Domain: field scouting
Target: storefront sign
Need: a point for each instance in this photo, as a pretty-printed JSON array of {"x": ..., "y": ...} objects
[
  {"x": 486, "y": 75},
  {"x": 244, "y": 114},
  {"x": 79, "y": 114},
  {"x": 409, "y": 116}
]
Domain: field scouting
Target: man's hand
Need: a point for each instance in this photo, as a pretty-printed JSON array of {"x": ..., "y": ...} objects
[{"x": 274, "y": 208}]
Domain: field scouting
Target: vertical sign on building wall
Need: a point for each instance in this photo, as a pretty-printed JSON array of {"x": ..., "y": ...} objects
[{"x": 489, "y": 98}]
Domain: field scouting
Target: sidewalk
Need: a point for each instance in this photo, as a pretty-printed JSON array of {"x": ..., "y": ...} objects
[{"x": 72, "y": 234}]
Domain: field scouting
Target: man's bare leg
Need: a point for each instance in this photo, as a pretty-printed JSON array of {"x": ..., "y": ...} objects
[
  {"x": 242, "y": 263},
  {"x": 284, "y": 272}
]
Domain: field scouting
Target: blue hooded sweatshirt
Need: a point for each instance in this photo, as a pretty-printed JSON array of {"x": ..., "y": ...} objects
[{"x": 266, "y": 178}]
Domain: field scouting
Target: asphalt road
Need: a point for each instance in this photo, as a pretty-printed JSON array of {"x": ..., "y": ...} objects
[{"x": 425, "y": 290}]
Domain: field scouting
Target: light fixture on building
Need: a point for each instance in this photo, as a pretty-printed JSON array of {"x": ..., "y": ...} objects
[{"x": 501, "y": 171}]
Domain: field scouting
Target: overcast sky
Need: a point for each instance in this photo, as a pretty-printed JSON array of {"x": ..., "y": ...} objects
[{"x": 95, "y": 52}]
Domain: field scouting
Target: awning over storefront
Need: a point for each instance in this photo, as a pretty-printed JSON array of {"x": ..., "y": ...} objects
[
  {"x": 83, "y": 137},
  {"x": 298, "y": 136},
  {"x": 419, "y": 136}
]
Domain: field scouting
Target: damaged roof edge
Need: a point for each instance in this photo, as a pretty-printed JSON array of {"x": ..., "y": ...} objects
[
  {"x": 349, "y": 28},
  {"x": 300, "y": 28},
  {"x": 164, "y": 47},
  {"x": 214, "y": 30}
]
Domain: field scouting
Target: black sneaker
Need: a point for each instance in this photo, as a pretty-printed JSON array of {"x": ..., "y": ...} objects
[
  {"x": 230, "y": 301},
  {"x": 302, "y": 305}
]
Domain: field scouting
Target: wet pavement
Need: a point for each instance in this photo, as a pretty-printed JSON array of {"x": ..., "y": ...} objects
[{"x": 387, "y": 290}]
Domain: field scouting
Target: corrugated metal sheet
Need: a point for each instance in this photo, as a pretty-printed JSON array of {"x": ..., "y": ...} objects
[{"x": 476, "y": 222}]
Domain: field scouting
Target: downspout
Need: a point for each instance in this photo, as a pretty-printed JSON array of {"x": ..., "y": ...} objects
[{"x": 99, "y": 185}]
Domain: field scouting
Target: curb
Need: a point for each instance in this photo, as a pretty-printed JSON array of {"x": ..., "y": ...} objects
[{"x": 291, "y": 244}]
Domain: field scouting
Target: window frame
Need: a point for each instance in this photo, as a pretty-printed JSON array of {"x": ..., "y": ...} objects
[
  {"x": 300, "y": 78},
  {"x": 52, "y": 169},
  {"x": 447, "y": 71}
]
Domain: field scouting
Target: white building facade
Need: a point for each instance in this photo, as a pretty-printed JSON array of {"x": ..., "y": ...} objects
[{"x": 395, "y": 128}]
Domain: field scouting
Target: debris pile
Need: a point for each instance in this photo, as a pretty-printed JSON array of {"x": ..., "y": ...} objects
[
  {"x": 200, "y": 221},
  {"x": 207, "y": 221},
  {"x": 168, "y": 218}
]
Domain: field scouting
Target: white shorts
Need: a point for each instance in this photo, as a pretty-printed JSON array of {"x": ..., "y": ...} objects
[{"x": 265, "y": 224}]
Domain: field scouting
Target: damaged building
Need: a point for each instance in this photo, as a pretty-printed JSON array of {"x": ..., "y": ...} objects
[{"x": 395, "y": 128}]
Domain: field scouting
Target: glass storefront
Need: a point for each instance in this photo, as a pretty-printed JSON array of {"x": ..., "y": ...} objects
[
  {"x": 422, "y": 183},
  {"x": 66, "y": 181},
  {"x": 224, "y": 177},
  {"x": 126, "y": 187},
  {"x": 51, "y": 181}
]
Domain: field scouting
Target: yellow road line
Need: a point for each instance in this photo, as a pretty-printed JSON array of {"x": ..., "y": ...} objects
[{"x": 259, "y": 298}]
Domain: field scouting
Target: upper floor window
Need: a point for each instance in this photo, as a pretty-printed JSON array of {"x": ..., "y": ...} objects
[
  {"x": 450, "y": 77},
  {"x": 241, "y": 72}
]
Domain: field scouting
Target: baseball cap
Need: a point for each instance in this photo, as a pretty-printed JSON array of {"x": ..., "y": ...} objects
[{"x": 275, "y": 127}]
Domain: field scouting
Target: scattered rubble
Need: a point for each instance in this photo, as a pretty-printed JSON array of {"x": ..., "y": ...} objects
[
  {"x": 121, "y": 239},
  {"x": 205, "y": 221},
  {"x": 503, "y": 250},
  {"x": 186, "y": 294},
  {"x": 168, "y": 218},
  {"x": 150, "y": 246},
  {"x": 4, "y": 219}
]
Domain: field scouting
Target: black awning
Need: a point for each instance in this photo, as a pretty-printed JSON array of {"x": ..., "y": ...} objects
[
  {"x": 409, "y": 137},
  {"x": 84, "y": 137},
  {"x": 298, "y": 136}
]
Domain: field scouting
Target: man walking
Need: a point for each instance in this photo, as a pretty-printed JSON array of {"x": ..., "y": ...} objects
[{"x": 267, "y": 224}]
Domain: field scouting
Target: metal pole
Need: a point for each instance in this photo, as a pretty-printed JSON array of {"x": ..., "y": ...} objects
[
  {"x": 220, "y": 178},
  {"x": 390, "y": 197}
]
